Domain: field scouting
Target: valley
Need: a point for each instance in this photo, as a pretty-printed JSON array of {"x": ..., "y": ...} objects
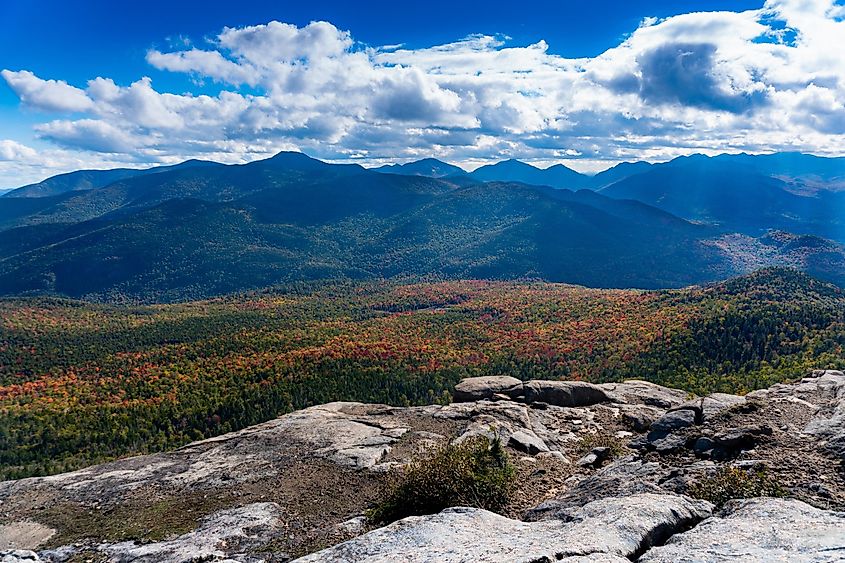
[{"x": 84, "y": 382}]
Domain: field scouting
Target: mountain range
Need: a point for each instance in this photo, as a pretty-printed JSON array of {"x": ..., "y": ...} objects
[
  {"x": 202, "y": 229},
  {"x": 512, "y": 170}
]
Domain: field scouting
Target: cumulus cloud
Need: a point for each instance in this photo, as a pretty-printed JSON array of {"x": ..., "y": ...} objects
[
  {"x": 50, "y": 95},
  {"x": 758, "y": 80},
  {"x": 685, "y": 73}
]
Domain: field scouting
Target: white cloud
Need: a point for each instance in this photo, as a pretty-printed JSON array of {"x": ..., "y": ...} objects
[
  {"x": 203, "y": 63},
  {"x": 13, "y": 151},
  {"x": 50, "y": 95},
  {"x": 758, "y": 80},
  {"x": 275, "y": 42},
  {"x": 89, "y": 134}
]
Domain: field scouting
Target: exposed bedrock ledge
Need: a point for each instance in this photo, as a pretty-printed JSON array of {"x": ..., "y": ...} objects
[
  {"x": 228, "y": 534},
  {"x": 615, "y": 529},
  {"x": 762, "y": 529},
  {"x": 623, "y": 507}
]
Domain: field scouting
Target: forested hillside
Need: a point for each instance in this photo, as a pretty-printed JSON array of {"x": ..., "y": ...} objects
[
  {"x": 82, "y": 382},
  {"x": 201, "y": 230}
]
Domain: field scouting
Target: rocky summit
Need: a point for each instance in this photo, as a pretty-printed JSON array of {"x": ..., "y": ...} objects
[{"x": 627, "y": 471}]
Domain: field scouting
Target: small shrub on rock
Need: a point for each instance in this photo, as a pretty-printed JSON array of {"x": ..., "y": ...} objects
[
  {"x": 477, "y": 473},
  {"x": 732, "y": 483}
]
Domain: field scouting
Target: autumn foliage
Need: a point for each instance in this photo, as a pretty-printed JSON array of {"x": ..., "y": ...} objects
[{"x": 83, "y": 382}]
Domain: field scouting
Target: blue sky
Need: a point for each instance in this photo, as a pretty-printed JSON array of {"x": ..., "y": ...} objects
[{"x": 102, "y": 84}]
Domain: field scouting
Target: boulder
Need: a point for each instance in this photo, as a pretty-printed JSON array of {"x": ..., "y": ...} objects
[
  {"x": 713, "y": 404},
  {"x": 478, "y": 388},
  {"x": 608, "y": 529},
  {"x": 637, "y": 392},
  {"x": 703, "y": 445},
  {"x": 595, "y": 458},
  {"x": 668, "y": 423},
  {"x": 706, "y": 408},
  {"x": 639, "y": 417},
  {"x": 528, "y": 443},
  {"x": 674, "y": 420},
  {"x": 562, "y": 393},
  {"x": 762, "y": 529},
  {"x": 729, "y": 444},
  {"x": 669, "y": 444}
]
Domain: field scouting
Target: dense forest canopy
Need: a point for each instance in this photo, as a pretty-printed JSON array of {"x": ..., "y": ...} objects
[{"x": 83, "y": 382}]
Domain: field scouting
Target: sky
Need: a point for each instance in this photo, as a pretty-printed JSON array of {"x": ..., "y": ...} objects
[{"x": 105, "y": 84}]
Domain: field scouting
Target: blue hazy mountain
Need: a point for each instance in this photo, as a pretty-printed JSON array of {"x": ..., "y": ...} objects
[
  {"x": 618, "y": 172},
  {"x": 557, "y": 176},
  {"x": 743, "y": 193},
  {"x": 90, "y": 179},
  {"x": 199, "y": 231},
  {"x": 430, "y": 167}
]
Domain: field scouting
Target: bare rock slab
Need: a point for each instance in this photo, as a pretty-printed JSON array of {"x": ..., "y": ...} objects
[
  {"x": 762, "y": 529},
  {"x": 24, "y": 535},
  {"x": 220, "y": 536},
  {"x": 608, "y": 529},
  {"x": 18, "y": 556}
]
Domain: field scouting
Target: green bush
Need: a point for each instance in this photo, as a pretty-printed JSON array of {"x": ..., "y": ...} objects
[
  {"x": 477, "y": 472},
  {"x": 733, "y": 483}
]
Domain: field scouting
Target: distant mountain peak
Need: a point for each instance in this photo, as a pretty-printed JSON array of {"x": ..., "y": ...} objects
[
  {"x": 515, "y": 163},
  {"x": 513, "y": 170},
  {"x": 194, "y": 162},
  {"x": 292, "y": 156},
  {"x": 430, "y": 167}
]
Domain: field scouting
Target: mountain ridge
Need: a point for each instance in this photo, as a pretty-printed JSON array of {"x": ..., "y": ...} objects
[
  {"x": 430, "y": 167},
  {"x": 734, "y": 196},
  {"x": 512, "y": 170},
  {"x": 292, "y": 217},
  {"x": 81, "y": 180},
  {"x": 790, "y": 166}
]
